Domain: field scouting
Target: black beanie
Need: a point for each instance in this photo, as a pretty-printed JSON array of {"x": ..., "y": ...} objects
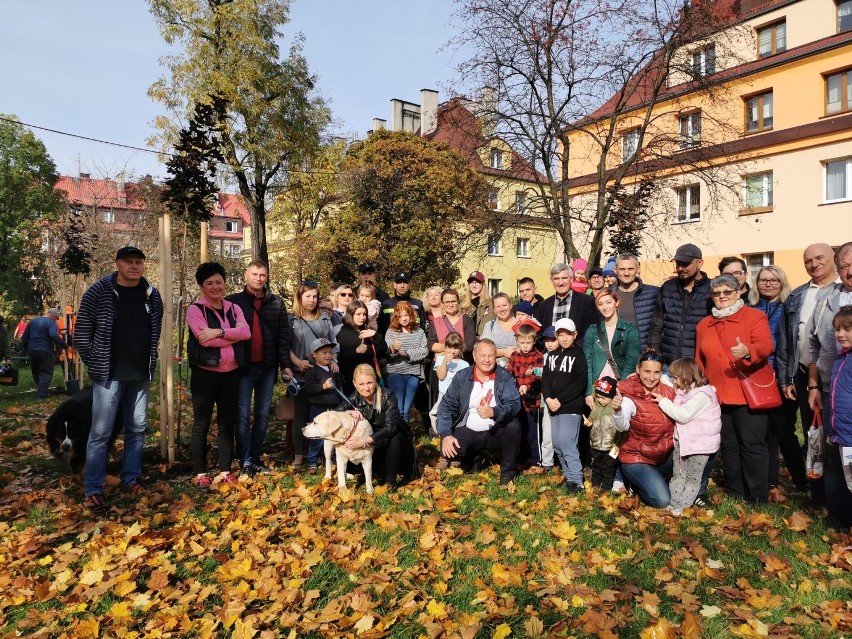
[{"x": 207, "y": 270}]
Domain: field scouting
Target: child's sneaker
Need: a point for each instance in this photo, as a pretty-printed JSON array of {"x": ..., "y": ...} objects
[
  {"x": 203, "y": 482},
  {"x": 618, "y": 486}
]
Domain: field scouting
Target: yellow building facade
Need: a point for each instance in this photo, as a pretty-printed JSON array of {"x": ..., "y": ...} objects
[{"x": 757, "y": 164}]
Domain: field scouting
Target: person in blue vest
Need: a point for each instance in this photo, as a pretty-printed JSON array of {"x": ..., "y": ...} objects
[{"x": 39, "y": 340}]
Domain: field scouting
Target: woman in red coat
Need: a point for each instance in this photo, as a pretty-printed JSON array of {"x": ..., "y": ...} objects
[{"x": 737, "y": 338}]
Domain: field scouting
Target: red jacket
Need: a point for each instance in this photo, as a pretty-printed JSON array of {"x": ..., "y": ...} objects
[
  {"x": 649, "y": 439},
  {"x": 714, "y": 340}
]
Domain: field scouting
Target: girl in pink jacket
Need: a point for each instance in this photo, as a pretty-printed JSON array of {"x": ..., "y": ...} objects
[{"x": 698, "y": 427}]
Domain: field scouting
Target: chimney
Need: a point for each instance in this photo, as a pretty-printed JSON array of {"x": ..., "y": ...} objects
[
  {"x": 121, "y": 188},
  {"x": 396, "y": 115},
  {"x": 85, "y": 176},
  {"x": 379, "y": 124},
  {"x": 428, "y": 111}
]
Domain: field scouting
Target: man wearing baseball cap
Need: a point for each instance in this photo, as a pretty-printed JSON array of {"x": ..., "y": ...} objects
[
  {"x": 117, "y": 331},
  {"x": 402, "y": 292},
  {"x": 367, "y": 275},
  {"x": 682, "y": 302}
]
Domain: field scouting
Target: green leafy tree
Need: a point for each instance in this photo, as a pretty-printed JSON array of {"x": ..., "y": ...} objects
[
  {"x": 413, "y": 205},
  {"x": 272, "y": 115},
  {"x": 28, "y": 203}
]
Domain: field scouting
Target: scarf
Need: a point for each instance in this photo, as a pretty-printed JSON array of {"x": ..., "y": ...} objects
[{"x": 722, "y": 313}]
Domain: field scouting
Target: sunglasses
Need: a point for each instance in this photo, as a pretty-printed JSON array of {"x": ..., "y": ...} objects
[
  {"x": 727, "y": 293},
  {"x": 346, "y": 295},
  {"x": 650, "y": 356},
  {"x": 310, "y": 283}
]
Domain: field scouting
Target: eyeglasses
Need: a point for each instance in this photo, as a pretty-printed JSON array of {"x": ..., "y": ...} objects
[
  {"x": 346, "y": 295},
  {"x": 736, "y": 273},
  {"x": 727, "y": 293},
  {"x": 768, "y": 280},
  {"x": 450, "y": 302}
]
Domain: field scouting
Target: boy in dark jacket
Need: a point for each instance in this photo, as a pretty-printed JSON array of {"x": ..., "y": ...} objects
[
  {"x": 321, "y": 387},
  {"x": 563, "y": 388}
]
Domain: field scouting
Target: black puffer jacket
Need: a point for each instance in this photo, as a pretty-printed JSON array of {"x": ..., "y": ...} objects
[
  {"x": 676, "y": 316},
  {"x": 644, "y": 302},
  {"x": 274, "y": 326}
]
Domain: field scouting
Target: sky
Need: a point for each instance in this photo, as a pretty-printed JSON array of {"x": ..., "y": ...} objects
[{"x": 84, "y": 67}]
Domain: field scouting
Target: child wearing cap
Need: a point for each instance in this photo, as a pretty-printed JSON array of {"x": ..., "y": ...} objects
[
  {"x": 526, "y": 364},
  {"x": 548, "y": 340},
  {"x": 563, "y": 386},
  {"x": 603, "y": 436},
  {"x": 321, "y": 388}
]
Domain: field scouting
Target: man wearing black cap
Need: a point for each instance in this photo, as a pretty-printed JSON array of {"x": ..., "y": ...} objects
[
  {"x": 367, "y": 275},
  {"x": 402, "y": 292},
  {"x": 118, "y": 327},
  {"x": 682, "y": 302}
]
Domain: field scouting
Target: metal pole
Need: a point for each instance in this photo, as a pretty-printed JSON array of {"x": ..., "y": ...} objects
[
  {"x": 165, "y": 354},
  {"x": 203, "y": 247}
]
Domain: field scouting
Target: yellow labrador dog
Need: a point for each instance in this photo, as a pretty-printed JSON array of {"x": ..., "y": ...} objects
[{"x": 335, "y": 428}]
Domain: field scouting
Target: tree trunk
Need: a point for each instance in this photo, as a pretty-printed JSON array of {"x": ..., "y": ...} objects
[{"x": 258, "y": 232}]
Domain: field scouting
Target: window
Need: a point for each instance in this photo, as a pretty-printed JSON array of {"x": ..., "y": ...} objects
[
  {"x": 759, "y": 112},
  {"x": 758, "y": 191},
  {"x": 496, "y": 159},
  {"x": 494, "y": 287},
  {"x": 757, "y": 261},
  {"x": 772, "y": 39},
  {"x": 520, "y": 202},
  {"x": 690, "y": 130},
  {"x": 231, "y": 227},
  {"x": 523, "y": 247},
  {"x": 688, "y": 203},
  {"x": 844, "y": 16},
  {"x": 232, "y": 250},
  {"x": 493, "y": 201},
  {"x": 838, "y": 92},
  {"x": 629, "y": 145},
  {"x": 838, "y": 180},
  {"x": 704, "y": 62},
  {"x": 108, "y": 217},
  {"x": 493, "y": 245}
]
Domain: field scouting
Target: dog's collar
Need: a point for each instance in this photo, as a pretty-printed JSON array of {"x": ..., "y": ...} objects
[{"x": 355, "y": 421}]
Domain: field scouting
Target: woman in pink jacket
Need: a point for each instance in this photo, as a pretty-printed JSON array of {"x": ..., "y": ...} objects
[
  {"x": 215, "y": 324},
  {"x": 698, "y": 427}
]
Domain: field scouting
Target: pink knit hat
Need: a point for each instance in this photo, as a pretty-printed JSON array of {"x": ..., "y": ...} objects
[{"x": 580, "y": 264}]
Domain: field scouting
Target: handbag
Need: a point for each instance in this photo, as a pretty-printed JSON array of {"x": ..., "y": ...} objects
[
  {"x": 285, "y": 408},
  {"x": 815, "y": 459},
  {"x": 8, "y": 376},
  {"x": 759, "y": 387}
]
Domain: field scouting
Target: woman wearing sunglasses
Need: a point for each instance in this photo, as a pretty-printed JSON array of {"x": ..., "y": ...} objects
[
  {"x": 307, "y": 324},
  {"x": 731, "y": 344}
]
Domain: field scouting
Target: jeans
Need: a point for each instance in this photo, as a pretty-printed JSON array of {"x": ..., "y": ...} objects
[
  {"x": 315, "y": 445},
  {"x": 209, "y": 388},
  {"x": 41, "y": 365},
  {"x": 566, "y": 431},
  {"x": 546, "y": 437},
  {"x": 106, "y": 398},
  {"x": 260, "y": 380},
  {"x": 405, "y": 389},
  {"x": 838, "y": 498},
  {"x": 650, "y": 482}
]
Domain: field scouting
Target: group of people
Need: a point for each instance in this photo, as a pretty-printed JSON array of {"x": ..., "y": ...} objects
[{"x": 646, "y": 385}]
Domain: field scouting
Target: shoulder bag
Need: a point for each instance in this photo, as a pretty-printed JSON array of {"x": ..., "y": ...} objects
[{"x": 760, "y": 386}]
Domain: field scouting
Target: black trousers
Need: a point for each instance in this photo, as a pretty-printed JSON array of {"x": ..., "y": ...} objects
[
  {"x": 744, "y": 452},
  {"x": 41, "y": 365},
  {"x": 209, "y": 388},
  {"x": 782, "y": 436},
  {"x": 505, "y": 438},
  {"x": 603, "y": 469}
]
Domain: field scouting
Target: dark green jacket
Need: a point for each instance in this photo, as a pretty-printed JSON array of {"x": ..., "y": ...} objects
[{"x": 624, "y": 348}]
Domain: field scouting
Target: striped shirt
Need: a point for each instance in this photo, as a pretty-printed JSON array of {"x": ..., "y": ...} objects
[{"x": 414, "y": 351}]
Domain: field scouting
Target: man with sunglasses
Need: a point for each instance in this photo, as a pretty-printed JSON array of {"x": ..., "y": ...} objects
[
  {"x": 266, "y": 351},
  {"x": 682, "y": 302}
]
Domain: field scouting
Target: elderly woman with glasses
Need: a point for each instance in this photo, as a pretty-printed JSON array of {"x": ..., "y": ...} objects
[
  {"x": 452, "y": 321},
  {"x": 768, "y": 294},
  {"x": 731, "y": 344}
]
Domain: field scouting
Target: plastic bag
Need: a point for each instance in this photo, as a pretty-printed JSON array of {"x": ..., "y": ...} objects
[{"x": 815, "y": 460}]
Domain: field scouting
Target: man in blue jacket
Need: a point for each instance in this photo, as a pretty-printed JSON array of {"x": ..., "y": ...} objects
[
  {"x": 477, "y": 412},
  {"x": 39, "y": 339},
  {"x": 117, "y": 331}
]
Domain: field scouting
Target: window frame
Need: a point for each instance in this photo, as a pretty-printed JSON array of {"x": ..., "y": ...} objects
[
  {"x": 700, "y": 58},
  {"x": 494, "y": 286},
  {"x": 767, "y": 193},
  {"x": 756, "y": 261},
  {"x": 107, "y": 216},
  {"x": 773, "y": 38},
  {"x": 496, "y": 158},
  {"x": 761, "y": 97},
  {"x": 687, "y": 215},
  {"x": 525, "y": 242},
  {"x": 494, "y": 246},
  {"x": 845, "y": 90},
  {"x": 520, "y": 202},
  {"x": 626, "y": 135},
  {"x": 847, "y": 196},
  {"x": 689, "y": 139},
  {"x": 494, "y": 200},
  {"x": 848, "y": 16},
  {"x": 229, "y": 223}
]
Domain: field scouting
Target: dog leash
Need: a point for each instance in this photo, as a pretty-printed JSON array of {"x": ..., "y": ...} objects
[{"x": 345, "y": 398}]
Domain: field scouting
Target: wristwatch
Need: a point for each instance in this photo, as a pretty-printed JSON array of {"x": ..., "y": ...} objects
[
  {"x": 814, "y": 387},
  {"x": 222, "y": 333}
]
